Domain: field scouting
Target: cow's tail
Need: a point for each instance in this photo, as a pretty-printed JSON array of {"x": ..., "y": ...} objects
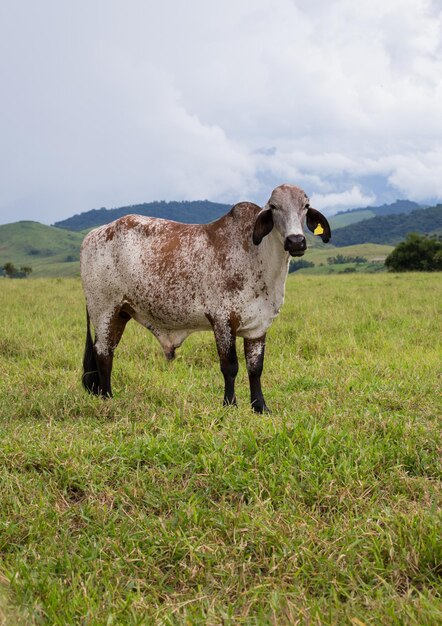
[{"x": 90, "y": 377}]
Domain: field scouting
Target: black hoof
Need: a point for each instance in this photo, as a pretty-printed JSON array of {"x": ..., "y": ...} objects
[{"x": 260, "y": 407}]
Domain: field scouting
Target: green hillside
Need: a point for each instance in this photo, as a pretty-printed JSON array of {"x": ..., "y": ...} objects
[
  {"x": 49, "y": 251},
  {"x": 351, "y": 217},
  {"x": 398, "y": 206},
  {"x": 390, "y": 229},
  {"x": 370, "y": 251}
]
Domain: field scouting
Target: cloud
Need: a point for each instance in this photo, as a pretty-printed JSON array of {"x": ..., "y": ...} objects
[
  {"x": 109, "y": 104},
  {"x": 334, "y": 202},
  {"x": 419, "y": 176}
]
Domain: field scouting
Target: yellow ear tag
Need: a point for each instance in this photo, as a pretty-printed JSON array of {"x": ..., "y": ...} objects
[{"x": 318, "y": 230}]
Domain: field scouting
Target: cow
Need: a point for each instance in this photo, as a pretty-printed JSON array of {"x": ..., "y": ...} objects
[{"x": 175, "y": 279}]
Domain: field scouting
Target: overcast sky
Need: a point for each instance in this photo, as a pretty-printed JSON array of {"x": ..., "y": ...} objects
[{"x": 112, "y": 102}]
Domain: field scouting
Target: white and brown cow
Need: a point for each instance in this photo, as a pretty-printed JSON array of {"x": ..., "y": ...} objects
[{"x": 227, "y": 276}]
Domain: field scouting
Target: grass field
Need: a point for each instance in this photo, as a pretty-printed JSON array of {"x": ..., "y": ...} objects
[{"x": 160, "y": 506}]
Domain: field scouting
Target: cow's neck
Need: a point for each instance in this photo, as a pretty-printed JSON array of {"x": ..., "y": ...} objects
[{"x": 276, "y": 263}]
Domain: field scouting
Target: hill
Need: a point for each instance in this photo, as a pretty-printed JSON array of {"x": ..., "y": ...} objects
[
  {"x": 352, "y": 216},
  {"x": 374, "y": 255},
  {"x": 49, "y": 251},
  {"x": 196, "y": 212},
  {"x": 371, "y": 251},
  {"x": 396, "y": 207},
  {"x": 389, "y": 229}
]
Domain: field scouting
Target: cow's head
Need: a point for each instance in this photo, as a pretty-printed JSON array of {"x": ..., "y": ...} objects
[{"x": 287, "y": 211}]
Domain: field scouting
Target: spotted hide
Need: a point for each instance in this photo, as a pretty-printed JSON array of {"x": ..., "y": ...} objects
[{"x": 174, "y": 279}]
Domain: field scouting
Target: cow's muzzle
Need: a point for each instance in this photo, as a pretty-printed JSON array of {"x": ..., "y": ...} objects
[{"x": 295, "y": 245}]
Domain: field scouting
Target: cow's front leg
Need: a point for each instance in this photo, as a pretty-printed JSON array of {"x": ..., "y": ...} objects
[
  {"x": 226, "y": 345},
  {"x": 254, "y": 351}
]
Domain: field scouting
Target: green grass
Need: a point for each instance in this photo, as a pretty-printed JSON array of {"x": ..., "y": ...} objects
[{"x": 160, "y": 506}]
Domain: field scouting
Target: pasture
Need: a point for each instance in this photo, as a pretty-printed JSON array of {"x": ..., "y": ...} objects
[{"x": 161, "y": 506}]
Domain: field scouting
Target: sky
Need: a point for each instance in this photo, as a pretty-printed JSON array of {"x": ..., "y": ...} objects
[{"x": 111, "y": 102}]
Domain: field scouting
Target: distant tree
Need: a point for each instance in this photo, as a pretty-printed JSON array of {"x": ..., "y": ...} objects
[
  {"x": 26, "y": 269},
  {"x": 299, "y": 265},
  {"x": 9, "y": 269},
  {"x": 417, "y": 253},
  {"x": 438, "y": 259}
]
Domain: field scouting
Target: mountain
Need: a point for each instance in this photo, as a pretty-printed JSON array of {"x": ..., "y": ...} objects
[
  {"x": 396, "y": 208},
  {"x": 344, "y": 218},
  {"x": 389, "y": 229},
  {"x": 399, "y": 206},
  {"x": 49, "y": 251},
  {"x": 196, "y": 212}
]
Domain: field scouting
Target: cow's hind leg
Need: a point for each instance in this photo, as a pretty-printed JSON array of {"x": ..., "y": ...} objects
[
  {"x": 254, "y": 353},
  {"x": 98, "y": 356},
  {"x": 226, "y": 345},
  {"x": 90, "y": 378}
]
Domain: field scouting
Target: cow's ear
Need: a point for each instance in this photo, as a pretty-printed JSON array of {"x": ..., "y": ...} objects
[
  {"x": 317, "y": 223},
  {"x": 263, "y": 225}
]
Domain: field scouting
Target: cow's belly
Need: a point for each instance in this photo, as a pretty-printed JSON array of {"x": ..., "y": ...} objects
[
  {"x": 167, "y": 318},
  {"x": 167, "y": 310}
]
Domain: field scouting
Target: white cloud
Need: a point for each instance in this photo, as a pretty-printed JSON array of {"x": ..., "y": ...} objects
[
  {"x": 107, "y": 103},
  {"x": 333, "y": 202},
  {"x": 419, "y": 176}
]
